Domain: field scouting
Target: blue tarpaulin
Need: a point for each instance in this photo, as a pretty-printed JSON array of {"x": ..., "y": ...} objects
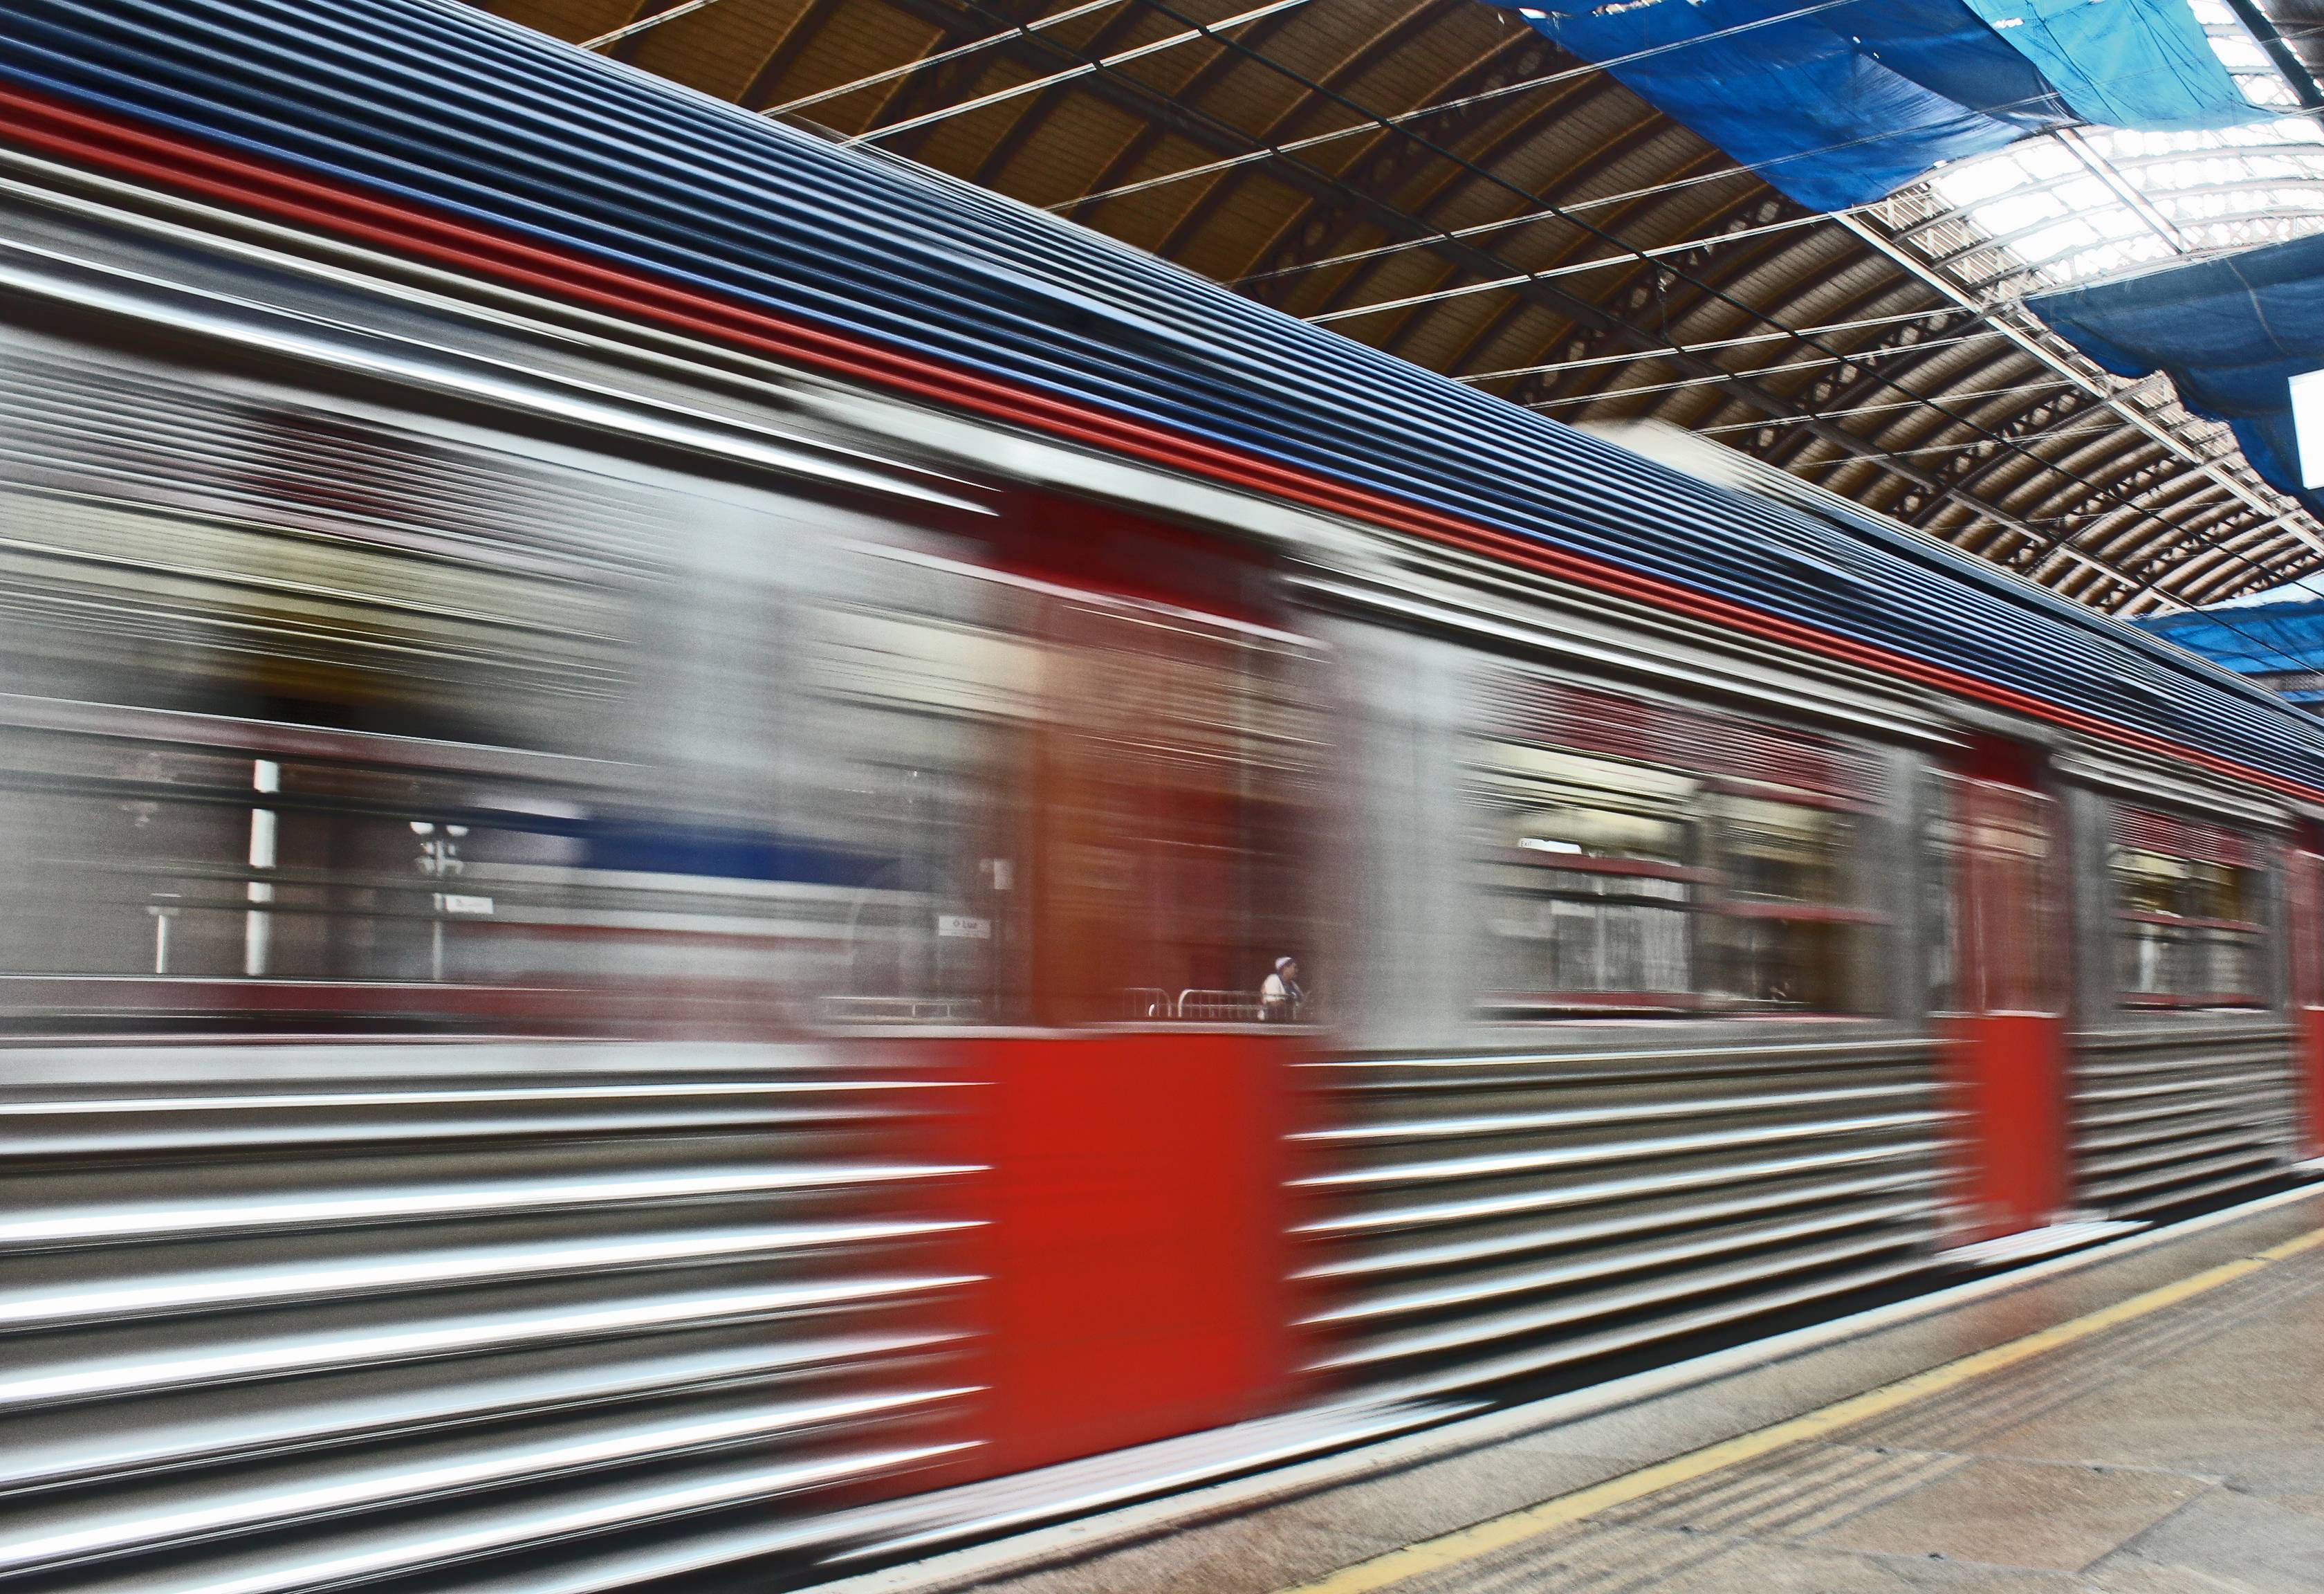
[
  {"x": 2232, "y": 332},
  {"x": 2123, "y": 63},
  {"x": 1842, "y": 102},
  {"x": 2282, "y": 641}
]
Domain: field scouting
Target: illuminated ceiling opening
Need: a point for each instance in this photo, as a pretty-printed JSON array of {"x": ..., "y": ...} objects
[{"x": 2097, "y": 202}]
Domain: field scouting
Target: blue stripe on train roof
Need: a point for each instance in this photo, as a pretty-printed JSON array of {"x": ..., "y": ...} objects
[{"x": 465, "y": 114}]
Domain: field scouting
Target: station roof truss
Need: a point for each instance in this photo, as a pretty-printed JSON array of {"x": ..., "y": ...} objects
[{"x": 1434, "y": 178}]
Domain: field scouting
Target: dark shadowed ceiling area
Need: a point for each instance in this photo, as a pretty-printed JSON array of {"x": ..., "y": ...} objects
[{"x": 1437, "y": 179}]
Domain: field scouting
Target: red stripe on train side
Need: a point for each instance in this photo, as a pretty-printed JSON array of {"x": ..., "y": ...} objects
[{"x": 124, "y": 148}]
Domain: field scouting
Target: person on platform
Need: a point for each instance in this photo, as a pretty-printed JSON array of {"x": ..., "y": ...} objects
[{"x": 1281, "y": 1000}]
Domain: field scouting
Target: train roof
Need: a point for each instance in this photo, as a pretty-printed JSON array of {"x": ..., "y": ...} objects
[{"x": 427, "y": 126}]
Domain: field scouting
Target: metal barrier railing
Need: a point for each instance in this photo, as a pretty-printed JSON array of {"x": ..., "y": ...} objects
[
  {"x": 1146, "y": 1001},
  {"x": 1218, "y": 1006}
]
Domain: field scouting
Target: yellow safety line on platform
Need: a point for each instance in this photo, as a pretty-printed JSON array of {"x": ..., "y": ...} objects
[{"x": 1501, "y": 1532}]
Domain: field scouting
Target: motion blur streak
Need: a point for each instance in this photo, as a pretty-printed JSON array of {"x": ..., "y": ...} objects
[{"x": 624, "y": 961}]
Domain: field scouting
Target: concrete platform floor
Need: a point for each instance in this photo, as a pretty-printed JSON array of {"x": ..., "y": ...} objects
[{"x": 2152, "y": 1423}]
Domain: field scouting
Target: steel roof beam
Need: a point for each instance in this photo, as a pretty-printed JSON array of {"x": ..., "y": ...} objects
[
  {"x": 1459, "y": 100},
  {"x": 1769, "y": 423},
  {"x": 1110, "y": 62},
  {"x": 1409, "y": 161},
  {"x": 1920, "y": 424},
  {"x": 809, "y": 23},
  {"x": 1747, "y": 338},
  {"x": 1209, "y": 76},
  {"x": 1645, "y": 130},
  {"x": 2292, "y": 520},
  {"x": 2287, "y": 65},
  {"x": 1033, "y": 117},
  {"x": 1409, "y": 158},
  {"x": 1507, "y": 145},
  {"x": 1284, "y": 131},
  {"x": 1528, "y": 217},
  {"x": 648, "y": 14}
]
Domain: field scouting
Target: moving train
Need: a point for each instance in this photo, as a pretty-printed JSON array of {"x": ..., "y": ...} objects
[{"x": 651, "y": 769}]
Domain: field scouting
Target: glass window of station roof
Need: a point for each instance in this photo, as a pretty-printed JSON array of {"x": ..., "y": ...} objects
[{"x": 2100, "y": 202}]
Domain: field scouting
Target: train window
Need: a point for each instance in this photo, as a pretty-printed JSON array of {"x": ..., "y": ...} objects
[
  {"x": 477, "y": 730},
  {"x": 1788, "y": 929},
  {"x": 497, "y": 809},
  {"x": 453, "y": 885},
  {"x": 1993, "y": 944},
  {"x": 1638, "y": 858},
  {"x": 1589, "y": 882},
  {"x": 2305, "y": 900},
  {"x": 1173, "y": 772},
  {"x": 2189, "y": 929},
  {"x": 916, "y": 689},
  {"x": 188, "y": 885}
]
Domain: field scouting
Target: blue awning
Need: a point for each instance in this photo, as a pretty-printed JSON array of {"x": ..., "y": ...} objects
[
  {"x": 2232, "y": 332},
  {"x": 1841, "y": 103},
  {"x": 2283, "y": 642}
]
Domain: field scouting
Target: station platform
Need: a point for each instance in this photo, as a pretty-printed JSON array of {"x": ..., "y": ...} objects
[{"x": 2145, "y": 1419}]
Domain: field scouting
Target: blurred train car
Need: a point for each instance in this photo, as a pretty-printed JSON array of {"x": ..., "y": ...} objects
[{"x": 649, "y": 785}]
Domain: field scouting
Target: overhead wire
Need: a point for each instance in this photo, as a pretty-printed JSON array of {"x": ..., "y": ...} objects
[
  {"x": 629, "y": 30},
  {"x": 1104, "y": 63},
  {"x": 1269, "y": 150},
  {"x": 1460, "y": 102},
  {"x": 1574, "y": 268},
  {"x": 1024, "y": 30},
  {"x": 1757, "y": 168},
  {"x": 2048, "y": 435},
  {"x": 2050, "y": 386},
  {"x": 1698, "y": 180},
  {"x": 1627, "y": 196}
]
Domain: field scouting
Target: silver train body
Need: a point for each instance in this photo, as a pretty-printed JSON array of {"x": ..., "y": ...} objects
[{"x": 596, "y": 934}]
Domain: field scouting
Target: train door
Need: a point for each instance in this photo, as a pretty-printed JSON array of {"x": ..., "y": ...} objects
[
  {"x": 2305, "y": 901},
  {"x": 1140, "y": 1108},
  {"x": 2004, "y": 1018}
]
